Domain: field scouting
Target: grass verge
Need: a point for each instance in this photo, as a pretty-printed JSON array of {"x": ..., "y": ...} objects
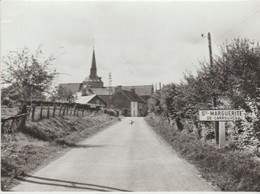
[
  {"x": 228, "y": 169},
  {"x": 42, "y": 141}
]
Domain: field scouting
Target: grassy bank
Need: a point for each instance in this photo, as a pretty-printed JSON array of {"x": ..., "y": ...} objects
[
  {"x": 228, "y": 169},
  {"x": 42, "y": 141}
]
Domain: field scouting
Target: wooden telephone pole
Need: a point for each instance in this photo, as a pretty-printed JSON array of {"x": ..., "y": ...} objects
[{"x": 214, "y": 98}]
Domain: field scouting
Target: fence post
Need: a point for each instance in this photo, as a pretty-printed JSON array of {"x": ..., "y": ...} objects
[
  {"x": 77, "y": 112},
  {"x": 67, "y": 110},
  {"x": 64, "y": 110},
  {"x": 54, "y": 108},
  {"x": 48, "y": 112},
  {"x": 33, "y": 111},
  {"x": 41, "y": 111},
  {"x": 74, "y": 111},
  {"x": 60, "y": 109},
  {"x": 71, "y": 108},
  {"x": 82, "y": 111}
]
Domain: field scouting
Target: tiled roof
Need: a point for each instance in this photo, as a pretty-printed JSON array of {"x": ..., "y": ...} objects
[
  {"x": 133, "y": 97},
  {"x": 105, "y": 98},
  {"x": 145, "y": 98},
  {"x": 74, "y": 87},
  {"x": 84, "y": 99},
  {"x": 102, "y": 91},
  {"x": 142, "y": 90}
]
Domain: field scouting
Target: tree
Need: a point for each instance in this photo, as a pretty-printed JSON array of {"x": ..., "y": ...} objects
[
  {"x": 28, "y": 74},
  {"x": 63, "y": 94}
]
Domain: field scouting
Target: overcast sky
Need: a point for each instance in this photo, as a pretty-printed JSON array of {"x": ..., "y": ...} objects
[{"x": 139, "y": 42}]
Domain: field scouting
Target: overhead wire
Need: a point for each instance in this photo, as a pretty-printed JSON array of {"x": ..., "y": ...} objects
[{"x": 242, "y": 20}]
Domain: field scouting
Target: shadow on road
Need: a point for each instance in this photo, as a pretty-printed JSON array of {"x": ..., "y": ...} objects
[
  {"x": 86, "y": 146},
  {"x": 70, "y": 184}
]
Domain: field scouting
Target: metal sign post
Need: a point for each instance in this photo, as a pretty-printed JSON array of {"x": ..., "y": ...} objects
[{"x": 222, "y": 134}]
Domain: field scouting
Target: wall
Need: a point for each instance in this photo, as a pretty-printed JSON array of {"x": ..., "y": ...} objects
[
  {"x": 120, "y": 102},
  {"x": 134, "y": 109}
]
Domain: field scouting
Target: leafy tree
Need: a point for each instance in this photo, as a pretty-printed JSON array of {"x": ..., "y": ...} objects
[
  {"x": 28, "y": 74},
  {"x": 234, "y": 78},
  {"x": 239, "y": 71},
  {"x": 63, "y": 94}
]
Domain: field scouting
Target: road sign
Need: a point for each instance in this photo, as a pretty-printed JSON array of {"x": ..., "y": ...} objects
[{"x": 221, "y": 115}]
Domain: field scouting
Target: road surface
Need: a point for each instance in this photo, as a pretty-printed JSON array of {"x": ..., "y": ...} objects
[{"x": 123, "y": 157}]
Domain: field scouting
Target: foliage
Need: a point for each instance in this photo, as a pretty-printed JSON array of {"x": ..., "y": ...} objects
[
  {"x": 62, "y": 94},
  {"x": 27, "y": 73},
  {"x": 233, "y": 80},
  {"x": 229, "y": 170},
  {"x": 43, "y": 140}
]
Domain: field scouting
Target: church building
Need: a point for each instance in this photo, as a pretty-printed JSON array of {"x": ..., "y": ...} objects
[
  {"x": 93, "y": 80},
  {"x": 93, "y": 85}
]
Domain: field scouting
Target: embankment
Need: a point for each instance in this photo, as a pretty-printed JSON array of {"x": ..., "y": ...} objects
[
  {"x": 229, "y": 169},
  {"x": 41, "y": 141}
]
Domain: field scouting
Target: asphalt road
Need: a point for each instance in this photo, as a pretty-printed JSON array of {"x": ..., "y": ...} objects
[{"x": 123, "y": 157}]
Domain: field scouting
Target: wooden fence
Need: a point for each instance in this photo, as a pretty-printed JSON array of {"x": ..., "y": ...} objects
[
  {"x": 9, "y": 124},
  {"x": 46, "y": 109}
]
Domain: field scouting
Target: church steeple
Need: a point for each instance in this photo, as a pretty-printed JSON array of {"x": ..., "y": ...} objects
[
  {"x": 93, "y": 70},
  {"x": 93, "y": 80}
]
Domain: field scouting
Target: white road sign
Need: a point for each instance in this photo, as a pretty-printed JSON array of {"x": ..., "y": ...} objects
[{"x": 221, "y": 115}]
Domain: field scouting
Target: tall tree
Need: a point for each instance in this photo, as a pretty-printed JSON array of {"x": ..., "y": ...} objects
[{"x": 28, "y": 73}]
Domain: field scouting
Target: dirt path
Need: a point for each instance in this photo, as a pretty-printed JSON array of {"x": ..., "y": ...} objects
[{"x": 123, "y": 157}]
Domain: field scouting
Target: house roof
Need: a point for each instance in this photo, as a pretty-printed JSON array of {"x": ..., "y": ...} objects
[
  {"x": 86, "y": 99},
  {"x": 73, "y": 87},
  {"x": 102, "y": 91},
  {"x": 142, "y": 90},
  {"x": 131, "y": 96},
  {"x": 105, "y": 98}
]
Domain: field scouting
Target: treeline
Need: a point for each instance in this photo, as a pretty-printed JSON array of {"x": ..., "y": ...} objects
[{"x": 233, "y": 81}]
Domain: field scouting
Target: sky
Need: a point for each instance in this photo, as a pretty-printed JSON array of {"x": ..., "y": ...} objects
[{"x": 139, "y": 42}]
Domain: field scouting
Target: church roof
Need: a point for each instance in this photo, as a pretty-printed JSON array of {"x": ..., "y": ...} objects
[{"x": 93, "y": 77}]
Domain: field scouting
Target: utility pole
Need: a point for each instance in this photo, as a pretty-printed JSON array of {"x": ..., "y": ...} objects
[
  {"x": 110, "y": 88},
  {"x": 210, "y": 50},
  {"x": 214, "y": 98}
]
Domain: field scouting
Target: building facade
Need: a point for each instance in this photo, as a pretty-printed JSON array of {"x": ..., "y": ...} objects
[
  {"x": 119, "y": 97},
  {"x": 128, "y": 102}
]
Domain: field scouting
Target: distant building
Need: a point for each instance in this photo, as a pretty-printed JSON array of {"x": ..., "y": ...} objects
[
  {"x": 128, "y": 102},
  {"x": 93, "y": 84},
  {"x": 91, "y": 99}
]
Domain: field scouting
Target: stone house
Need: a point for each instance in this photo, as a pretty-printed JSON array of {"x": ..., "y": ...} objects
[{"x": 128, "y": 102}]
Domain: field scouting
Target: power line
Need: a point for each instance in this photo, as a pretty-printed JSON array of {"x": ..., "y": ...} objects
[{"x": 242, "y": 20}]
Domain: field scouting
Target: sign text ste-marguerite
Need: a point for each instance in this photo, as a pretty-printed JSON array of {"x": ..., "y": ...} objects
[{"x": 221, "y": 115}]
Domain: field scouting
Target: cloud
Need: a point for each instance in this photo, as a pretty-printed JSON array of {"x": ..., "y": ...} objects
[{"x": 139, "y": 42}]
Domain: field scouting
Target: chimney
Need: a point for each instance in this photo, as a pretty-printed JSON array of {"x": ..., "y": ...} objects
[
  {"x": 133, "y": 90},
  {"x": 84, "y": 90},
  {"x": 118, "y": 88}
]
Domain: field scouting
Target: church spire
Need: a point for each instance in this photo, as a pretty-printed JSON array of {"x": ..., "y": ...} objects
[{"x": 93, "y": 70}]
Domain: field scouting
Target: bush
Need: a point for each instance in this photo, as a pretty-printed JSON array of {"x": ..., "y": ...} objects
[{"x": 230, "y": 170}]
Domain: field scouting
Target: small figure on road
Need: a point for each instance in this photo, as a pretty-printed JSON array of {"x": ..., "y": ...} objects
[{"x": 132, "y": 122}]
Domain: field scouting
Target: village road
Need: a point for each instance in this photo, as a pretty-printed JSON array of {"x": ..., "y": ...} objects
[{"x": 123, "y": 157}]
